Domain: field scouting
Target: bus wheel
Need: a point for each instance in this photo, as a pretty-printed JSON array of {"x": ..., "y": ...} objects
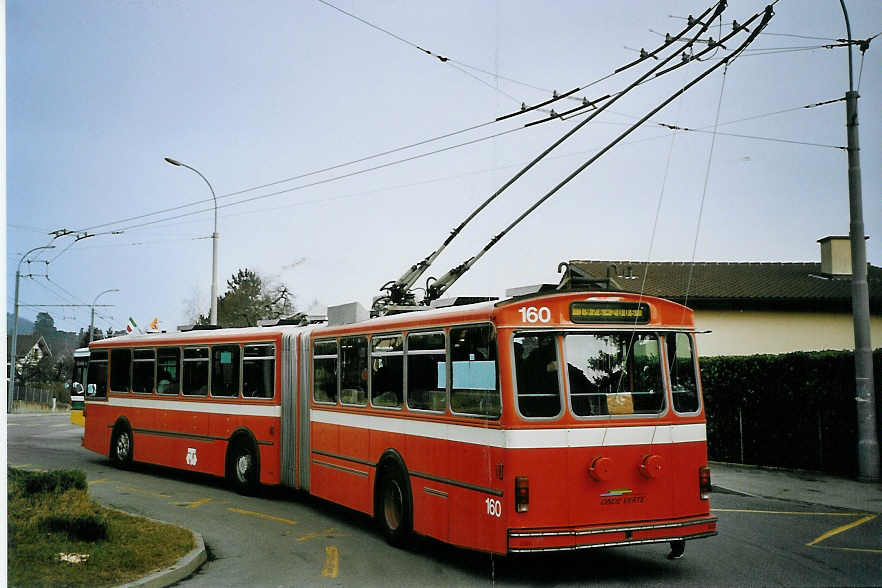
[
  {"x": 121, "y": 447},
  {"x": 393, "y": 508},
  {"x": 678, "y": 549},
  {"x": 242, "y": 468}
]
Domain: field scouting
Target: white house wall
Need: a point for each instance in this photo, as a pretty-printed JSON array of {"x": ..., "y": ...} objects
[{"x": 750, "y": 332}]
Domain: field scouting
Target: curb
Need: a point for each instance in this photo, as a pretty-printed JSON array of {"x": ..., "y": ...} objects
[{"x": 181, "y": 569}]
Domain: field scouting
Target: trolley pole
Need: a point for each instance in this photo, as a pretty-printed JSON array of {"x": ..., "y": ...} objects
[
  {"x": 14, "y": 342},
  {"x": 868, "y": 442}
]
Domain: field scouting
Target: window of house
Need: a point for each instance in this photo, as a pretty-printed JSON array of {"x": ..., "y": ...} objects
[
  {"x": 427, "y": 371},
  {"x": 614, "y": 373},
  {"x": 536, "y": 374},
  {"x": 143, "y": 371},
  {"x": 473, "y": 389},
  {"x": 324, "y": 371},
  {"x": 168, "y": 366},
  {"x": 353, "y": 370},
  {"x": 259, "y": 371},
  {"x": 120, "y": 370},
  {"x": 225, "y": 370},
  {"x": 387, "y": 371},
  {"x": 96, "y": 376},
  {"x": 194, "y": 377},
  {"x": 682, "y": 368}
]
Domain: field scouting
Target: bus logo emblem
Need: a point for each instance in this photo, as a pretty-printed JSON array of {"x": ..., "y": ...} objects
[{"x": 191, "y": 456}]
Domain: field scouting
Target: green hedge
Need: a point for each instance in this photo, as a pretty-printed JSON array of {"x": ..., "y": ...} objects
[{"x": 795, "y": 410}]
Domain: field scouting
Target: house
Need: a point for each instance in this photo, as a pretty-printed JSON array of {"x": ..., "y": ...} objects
[
  {"x": 29, "y": 351},
  {"x": 754, "y": 307}
]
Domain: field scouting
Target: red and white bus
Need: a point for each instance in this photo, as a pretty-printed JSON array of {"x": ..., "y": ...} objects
[{"x": 541, "y": 422}]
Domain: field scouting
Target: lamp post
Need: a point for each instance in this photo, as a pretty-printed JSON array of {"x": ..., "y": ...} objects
[
  {"x": 92, "y": 321},
  {"x": 868, "y": 442},
  {"x": 15, "y": 328},
  {"x": 214, "y": 236}
]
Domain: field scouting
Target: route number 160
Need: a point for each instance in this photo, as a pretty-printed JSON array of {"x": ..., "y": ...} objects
[
  {"x": 531, "y": 314},
  {"x": 494, "y": 507}
]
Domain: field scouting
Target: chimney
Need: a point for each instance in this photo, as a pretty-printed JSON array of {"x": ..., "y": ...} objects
[{"x": 836, "y": 255}]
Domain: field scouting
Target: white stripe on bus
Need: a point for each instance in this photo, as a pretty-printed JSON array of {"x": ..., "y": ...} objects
[
  {"x": 273, "y": 410},
  {"x": 519, "y": 438}
]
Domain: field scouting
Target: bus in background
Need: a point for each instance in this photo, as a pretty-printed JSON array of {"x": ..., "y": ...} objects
[
  {"x": 77, "y": 385},
  {"x": 550, "y": 421}
]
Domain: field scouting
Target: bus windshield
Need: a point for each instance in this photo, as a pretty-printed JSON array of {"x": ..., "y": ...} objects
[{"x": 614, "y": 373}]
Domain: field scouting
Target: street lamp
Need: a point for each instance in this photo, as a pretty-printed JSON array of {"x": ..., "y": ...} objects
[
  {"x": 214, "y": 236},
  {"x": 15, "y": 328},
  {"x": 92, "y": 322}
]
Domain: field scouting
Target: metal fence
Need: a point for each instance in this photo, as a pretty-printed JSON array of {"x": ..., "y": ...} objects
[{"x": 34, "y": 397}]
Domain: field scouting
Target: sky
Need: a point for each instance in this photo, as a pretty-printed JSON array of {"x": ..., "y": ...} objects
[{"x": 255, "y": 95}]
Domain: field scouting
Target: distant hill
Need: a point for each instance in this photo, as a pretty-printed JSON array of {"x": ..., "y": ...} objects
[{"x": 25, "y": 327}]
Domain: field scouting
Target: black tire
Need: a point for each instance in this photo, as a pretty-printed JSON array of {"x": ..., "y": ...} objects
[
  {"x": 394, "y": 506},
  {"x": 243, "y": 468},
  {"x": 122, "y": 447}
]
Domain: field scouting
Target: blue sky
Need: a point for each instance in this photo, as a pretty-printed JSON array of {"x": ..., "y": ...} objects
[{"x": 98, "y": 92}]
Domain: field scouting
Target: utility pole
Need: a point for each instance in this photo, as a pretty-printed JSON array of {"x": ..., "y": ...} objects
[
  {"x": 868, "y": 441},
  {"x": 14, "y": 343},
  {"x": 92, "y": 321}
]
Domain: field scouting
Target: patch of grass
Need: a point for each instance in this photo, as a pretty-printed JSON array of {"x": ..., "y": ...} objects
[{"x": 58, "y": 517}]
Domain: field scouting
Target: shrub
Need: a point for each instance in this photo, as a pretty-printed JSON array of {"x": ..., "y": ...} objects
[
  {"x": 57, "y": 481},
  {"x": 795, "y": 410},
  {"x": 79, "y": 527}
]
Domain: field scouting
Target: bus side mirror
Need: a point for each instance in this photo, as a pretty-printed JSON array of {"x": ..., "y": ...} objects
[
  {"x": 91, "y": 390},
  {"x": 77, "y": 388}
]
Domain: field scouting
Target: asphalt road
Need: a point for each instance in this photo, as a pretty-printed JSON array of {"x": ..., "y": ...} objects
[{"x": 285, "y": 538}]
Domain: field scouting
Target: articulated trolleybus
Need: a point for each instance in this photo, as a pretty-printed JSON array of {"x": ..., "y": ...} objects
[{"x": 542, "y": 422}]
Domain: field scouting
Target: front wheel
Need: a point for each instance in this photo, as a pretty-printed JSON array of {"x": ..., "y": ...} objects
[
  {"x": 121, "y": 447},
  {"x": 242, "y": 468},
  {"x": 393, "y": 509}
]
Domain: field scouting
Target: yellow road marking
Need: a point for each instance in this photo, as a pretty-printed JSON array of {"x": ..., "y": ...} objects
[
  {"x": 330, "y": 532},
  {"x": 142, "y": 492},
  {"x": 261, "y": 515},
  {"x": 332, "y": 562},
  {"x": 841, "y": 529},
  {"x": 99, "y": 481},
  {"x": 192, "y": 503},
  {"x": 784, "y": 512},
  {"x": 863, "y": 550}
]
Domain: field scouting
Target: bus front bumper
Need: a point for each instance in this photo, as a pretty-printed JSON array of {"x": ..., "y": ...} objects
[{"x": 567, "y": 539}]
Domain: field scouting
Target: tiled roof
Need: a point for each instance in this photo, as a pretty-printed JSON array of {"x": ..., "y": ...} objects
[
  {"x": 24, "y": 345},
  {"x": 745, "y": 284}
]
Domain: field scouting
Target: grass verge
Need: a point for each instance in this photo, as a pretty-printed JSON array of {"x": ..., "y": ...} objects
[{"x": 50, "y": 514}]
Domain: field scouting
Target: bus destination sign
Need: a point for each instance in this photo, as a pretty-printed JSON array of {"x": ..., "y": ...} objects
[{"x": 609, "y": 312}]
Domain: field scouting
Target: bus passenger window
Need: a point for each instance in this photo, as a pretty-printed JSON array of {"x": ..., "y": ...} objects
[
  {"x": 387, "y": 371},
  {"x": 427, "y": 371},
  {"x": 97, "y": 373},
  {"x": 537, "y": 375},
  {"x": 143, "y": 374},
  {"x": 225, "y": 370},
  {"x": 168, "y": 362},
  {"x": 324, "y": 371},
  {"x": 473, "y": 388},
  {"x": 682, "y": 366},
  {"x": 258, "y": 371},
  {"x": 194, "y": 380},
  {"x": 120, "y": 370},
  {"x": 353, "y": 370},
  {"x": 614, "y": 373}
]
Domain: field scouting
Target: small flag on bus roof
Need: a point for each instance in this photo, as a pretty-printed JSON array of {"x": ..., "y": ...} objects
[
  {"x": 154, "y": 325},
  {"x": 132, "y": 326}
]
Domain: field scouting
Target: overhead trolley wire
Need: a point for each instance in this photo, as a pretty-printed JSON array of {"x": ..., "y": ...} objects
[
  {"x": 399, "y": 291},
  {"x": 438, "y": 287}
]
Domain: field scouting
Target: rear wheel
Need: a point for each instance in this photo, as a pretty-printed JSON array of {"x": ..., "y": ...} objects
[
  {"x": 243, "y": 470},
  {"x": 394, "y": 509},
  {"x": 121, "y": 447}
]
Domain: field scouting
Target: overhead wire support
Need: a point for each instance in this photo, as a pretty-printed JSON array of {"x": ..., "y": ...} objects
[
  {"x": 441, "y": 285},
  {"x": 399, "y": 291}
]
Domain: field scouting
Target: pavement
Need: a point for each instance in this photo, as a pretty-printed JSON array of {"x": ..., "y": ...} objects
[{"x": 797, "y": 485}]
